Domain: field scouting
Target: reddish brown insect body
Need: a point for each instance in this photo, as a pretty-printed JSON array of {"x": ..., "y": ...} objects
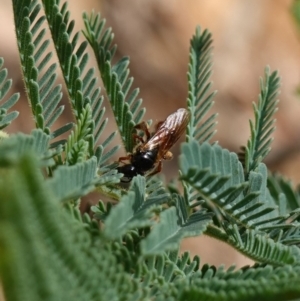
[{"x": 148, "y": 155}]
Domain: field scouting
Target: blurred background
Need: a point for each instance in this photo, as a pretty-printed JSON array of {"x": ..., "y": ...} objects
[{"x": 248, "y": 35}]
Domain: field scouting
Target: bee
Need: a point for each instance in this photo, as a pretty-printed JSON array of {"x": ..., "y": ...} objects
[{"x": 147, "y": 156}]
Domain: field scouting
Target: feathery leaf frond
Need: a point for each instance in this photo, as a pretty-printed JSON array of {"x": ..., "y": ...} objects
[
  {"x": 5, "y": 85},
  {"x": 279, "y": 186},
  {"x": 217, "y": 175},
  {"x": 175, "y": 224},
  {"x": 134, "y": 209},
  {"x": 250, "y": 283},
  {"x": 261, "y": 248},
  {"x": 43, "y": 251},
  {"x": 208, "y": 170},
  {"x": 124, "y": 102},
  {"x": 12, "y": 148},
  {"x": 129, "y": 249},
  {"x": 84, "y": 95},
  {"x": 258, "y": 145},
  {"x": 199, "y": 98},
  {"x": 239, "y": 206},
  {"x": 73, "y": 182},
  {"x": 43, "y": 95}
]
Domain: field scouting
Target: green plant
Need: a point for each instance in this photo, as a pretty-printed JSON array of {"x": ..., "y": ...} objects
[{"x": 129, "y": 250}]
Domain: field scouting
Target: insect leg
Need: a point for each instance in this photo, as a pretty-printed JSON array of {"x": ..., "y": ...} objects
[
  {"x": 122, "y": 159},
  {"x": 143, "y": 126},
  {"x": 138, "y": 138},
  {"x": 156, "y": 170}
]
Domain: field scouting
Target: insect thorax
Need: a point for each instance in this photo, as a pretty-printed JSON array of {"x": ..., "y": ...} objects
[{"x": 144, "y": 161}]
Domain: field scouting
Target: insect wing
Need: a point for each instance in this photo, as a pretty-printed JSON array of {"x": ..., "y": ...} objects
[{"x": 169, "y": 132}]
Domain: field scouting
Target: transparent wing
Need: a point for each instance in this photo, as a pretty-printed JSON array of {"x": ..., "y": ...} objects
[{"x": 169, "y": 132}]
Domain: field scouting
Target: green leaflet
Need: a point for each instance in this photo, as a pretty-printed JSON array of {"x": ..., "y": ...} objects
[
  {"x": 258, "y": 145},
  {"x": 84, "y": 94},
  {"x": 5, "y": 86},
  {"x": 249, "y": 283},
  {"x": 44, "y": 97},
  {"x": 175, "y": 224},
  {"x": 72, "y": 182},
  {"x": 218, "y": 176},
  {"x": 127, "y": 109},
  {"x": 279, "y": 186},
  {"x": 214, "y": 173},
  {"x": 129, "y": 249},
  {"x": 14, "y": 147},
  {"x": 134, "y": 209},
  {"x": 238, "y": 206},
  {"x": 260, "y": 248},
  {"x": 43, "y": 250},
  {"x": 200, "y": 100}
]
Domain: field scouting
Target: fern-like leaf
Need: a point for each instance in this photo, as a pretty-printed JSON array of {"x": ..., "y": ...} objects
[
  {"x": 5, "y": 85},
  {"x": 44, "y": 250},
  {"x": 73, "y": 182},
  {"x": 261, "y": 248},
  {"x": 217, "y": 175},
  {"x": 169, "y": 266},
  {"x": 250, "y": 283},
  {"x": 175, "y": 224},
  {"x": 134, "y": 209},
  {"x": 278, "y": 185},
  {"x": 43, "y": 95},
  {"x": 246, "y": 206},
  {"x": 258, "y": 145},
  {"x": 199, "y": 98},
  {"x": 15, "y": 146},
  {"x": 124, "y": 102},
  {"x": 83, "y": 92}
]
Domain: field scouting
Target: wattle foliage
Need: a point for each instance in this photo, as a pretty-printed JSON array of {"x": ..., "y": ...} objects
[{"x": 128, "y": 249}]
